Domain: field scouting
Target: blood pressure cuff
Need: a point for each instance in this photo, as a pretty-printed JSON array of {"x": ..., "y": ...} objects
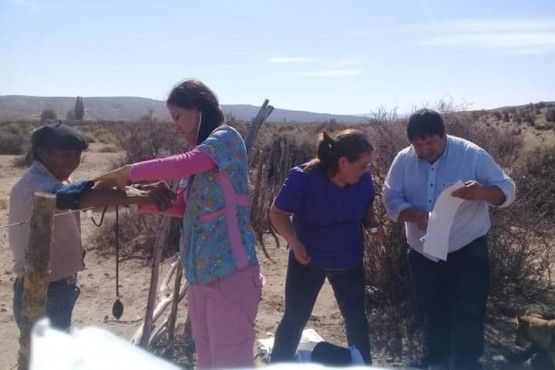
[{"x": 68, "y": 196}]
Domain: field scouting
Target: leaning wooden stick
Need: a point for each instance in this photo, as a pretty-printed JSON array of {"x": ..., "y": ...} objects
[
  {"x": 173, "y": 312},
  {"x": 161, "y": 237},
  {"x": 35, "y": 279},
  {"x": 155, "y": 315}
]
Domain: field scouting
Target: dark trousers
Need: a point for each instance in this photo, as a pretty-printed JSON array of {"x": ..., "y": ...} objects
[
  {"x": 303, "y": 283},
  {"x": 451, "y": 296},
  {"x": 60, "y": 301}
]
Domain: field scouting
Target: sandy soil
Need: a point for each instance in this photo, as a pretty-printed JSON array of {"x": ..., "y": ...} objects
[{"x": 98, "y": 293}]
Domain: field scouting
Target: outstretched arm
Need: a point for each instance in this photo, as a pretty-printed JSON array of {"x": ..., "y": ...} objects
[
  {"x": 173, "y": 167},
  {"x": 98, "y": 197}
]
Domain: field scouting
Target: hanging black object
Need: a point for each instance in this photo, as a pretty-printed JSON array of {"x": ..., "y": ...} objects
[{"x": 117, "y": 307}]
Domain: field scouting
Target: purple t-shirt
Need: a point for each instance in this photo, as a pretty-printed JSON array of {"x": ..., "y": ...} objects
[{"x": 328, "y": 219}]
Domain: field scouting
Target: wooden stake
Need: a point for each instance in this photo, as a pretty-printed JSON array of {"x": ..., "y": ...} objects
[
  {"x": 173, "y": 314},
  {"x": 257, "y": 121},
  {"x": 35, "y": 280},
  {"x": 161, "y": 237}
]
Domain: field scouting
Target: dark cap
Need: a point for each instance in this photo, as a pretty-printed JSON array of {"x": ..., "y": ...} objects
[{"x": 58, "y": 136}]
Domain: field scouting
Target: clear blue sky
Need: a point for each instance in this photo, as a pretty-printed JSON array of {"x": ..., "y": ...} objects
[{"x": 343, "y": 56}]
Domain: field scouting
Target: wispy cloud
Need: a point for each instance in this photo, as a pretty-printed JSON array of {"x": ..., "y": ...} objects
[
  {"x": 290, "y": 60},
  {"x": 333, "y": 73},
  {"x": 514, "y": 36}
]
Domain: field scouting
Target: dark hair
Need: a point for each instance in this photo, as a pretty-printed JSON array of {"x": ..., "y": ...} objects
[
  {"x": 423, "y": 123},
  {"x": 193, "y": 93},
  {"x": 350, "y": 144}
]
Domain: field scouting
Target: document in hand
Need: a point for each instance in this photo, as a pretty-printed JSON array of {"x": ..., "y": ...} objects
[{"x": 440, "y": 220}]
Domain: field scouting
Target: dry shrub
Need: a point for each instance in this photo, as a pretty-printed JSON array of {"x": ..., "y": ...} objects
[
  {"x": 108, "y": 149},
  {"x": 100, "y": 133},
  {"x": 522, "y": 238},
  {"x": 14, "y": 137},
  {"x": 180, "y": 351},
  {"x": 137, "y": 233},
  {"x": 147, "y": 140}
]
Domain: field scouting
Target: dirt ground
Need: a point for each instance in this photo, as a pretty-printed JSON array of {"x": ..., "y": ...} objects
[{"x": 94, "y": 305}]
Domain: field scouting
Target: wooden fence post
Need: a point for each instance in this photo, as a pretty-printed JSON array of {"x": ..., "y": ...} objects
[
  {"x": 35, "y": 280},
  {"x": 256, "y": 122}
]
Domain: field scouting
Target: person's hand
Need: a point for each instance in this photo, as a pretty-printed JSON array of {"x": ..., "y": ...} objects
[
  {"x": 118, "y": 178},
  {"x": 377, "y": 232},
  {"x": 161, "y": 195},
  {"x": 472, "y": 190},
  {"x": 422, "y": 220},
  {"x": 299, "y": 250}
]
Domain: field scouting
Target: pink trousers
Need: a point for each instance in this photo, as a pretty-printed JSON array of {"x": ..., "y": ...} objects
[{"x": 222, "y": 318}]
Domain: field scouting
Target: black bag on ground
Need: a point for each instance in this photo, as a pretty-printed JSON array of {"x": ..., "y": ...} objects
[{"x": 326, "y": 353}]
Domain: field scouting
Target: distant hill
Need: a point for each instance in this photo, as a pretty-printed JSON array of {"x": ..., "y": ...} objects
[{"x": 123, "y": 108}]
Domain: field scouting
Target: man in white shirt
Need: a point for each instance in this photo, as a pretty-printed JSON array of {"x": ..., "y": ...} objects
[{"x": 451, "y": 294}]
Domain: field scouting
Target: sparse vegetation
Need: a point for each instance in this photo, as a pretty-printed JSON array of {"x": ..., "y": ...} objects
[
  {"x": 137, "y": 232},
  {"x": 521, "y": 239},
  {"x": 48, "y": 115},
  {"x": 13, "y": 138}
]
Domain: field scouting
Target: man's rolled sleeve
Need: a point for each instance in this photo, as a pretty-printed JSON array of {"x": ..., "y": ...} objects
[
  {"x": 68, "y": 196},
  {"x": 492, "y": 175},
  {"x": 508, "y": 188},
  {"x": 393, "y": 190}
]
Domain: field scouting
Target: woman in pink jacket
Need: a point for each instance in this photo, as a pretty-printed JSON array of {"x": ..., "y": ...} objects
[{"x": 218, "y": 242}]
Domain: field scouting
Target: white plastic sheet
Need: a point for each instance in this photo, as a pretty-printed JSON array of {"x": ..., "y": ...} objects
[
  {"x": 309, "y": 339},
  {"x": 90, "y": 348}
]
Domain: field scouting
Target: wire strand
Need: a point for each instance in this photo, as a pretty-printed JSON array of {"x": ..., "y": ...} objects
[{"x": 56, "y": 215}]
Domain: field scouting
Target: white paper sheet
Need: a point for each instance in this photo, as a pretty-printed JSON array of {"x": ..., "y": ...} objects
[
  {"x": 309, "y": 339},
  {"x": 89, "y": 348},
  {"x": 440, "y": 220}
]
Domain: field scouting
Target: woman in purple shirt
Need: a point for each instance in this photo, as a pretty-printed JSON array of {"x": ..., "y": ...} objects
[{"x": 330, "y": 200}]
